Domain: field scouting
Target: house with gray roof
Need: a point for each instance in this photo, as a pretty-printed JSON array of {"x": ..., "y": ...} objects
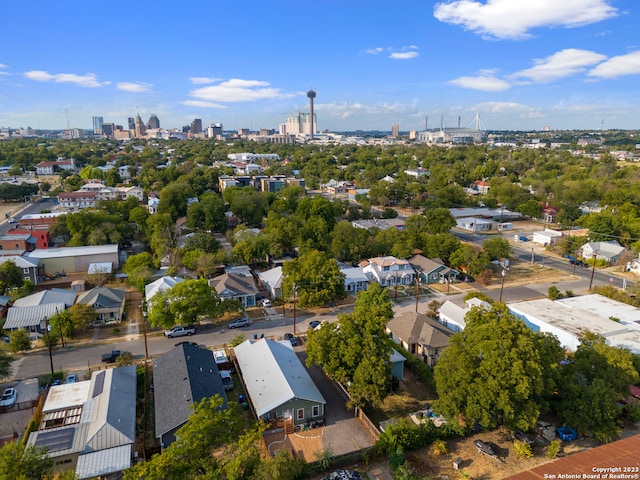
[
  {"x": 53, "y": 295},
  {"x": 181, "y": 377},
  {"x": 432, "y": 270},
  {"x": 108, "y": 303},
  {"x": 419, "y": 335},
  {"x": 28, "y": 266},
  {"x": 453, "y": 316},
  {"x": 90, "y": 426},
  {"x": 233, "y": 286},
  {"x": 609, "y": 251},
  {"x": 278, "y": 384},
  {"x": 32, "y": 318}
]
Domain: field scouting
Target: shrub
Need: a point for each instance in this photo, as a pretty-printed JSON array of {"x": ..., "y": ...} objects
[
  {"x": 554, "y": 293},
  {"x": 439, "y": 447},
  {"x": 522, "y": 449},
  {"x": 484, "y": 277},
  {"x": 115, "y": 331},
  {"x": 553, "y": 450},
  {"x": 124, "y": 359},
  {"x": 19, "y": 341}
]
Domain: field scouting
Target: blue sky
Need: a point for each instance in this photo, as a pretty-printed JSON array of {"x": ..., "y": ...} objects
[{"x": 568, "y": 64}]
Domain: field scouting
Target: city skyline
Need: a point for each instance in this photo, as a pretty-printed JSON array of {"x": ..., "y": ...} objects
[{"x": 573, "y": 64}]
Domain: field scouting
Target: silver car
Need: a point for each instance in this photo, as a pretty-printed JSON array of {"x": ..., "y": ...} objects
[{"x": 240, "y": 322}]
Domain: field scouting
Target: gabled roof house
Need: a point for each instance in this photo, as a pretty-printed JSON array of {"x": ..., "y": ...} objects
[
  {"x": 108, "y": 303},
  {"x": 235, "y": 287},
  {"x": 419, "y": 335},
  {"x": 181, "y": 377},
  {"x": 277, "y": 382},
  {"x": 90, "y": 426}
]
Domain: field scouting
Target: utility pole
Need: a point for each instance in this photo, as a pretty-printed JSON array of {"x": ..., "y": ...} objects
[
  {"x": 46, "y": 327},
  {"x": 504, "y": 275},
  {"x": 533, "y": 256},
  {"x": 294, "y": 308},
  {"x": 593, "y": 270},
  {"x": 144, "y": 331},
  {"x": 417, "y": 290},
  {"x": 60, "y": 327}
]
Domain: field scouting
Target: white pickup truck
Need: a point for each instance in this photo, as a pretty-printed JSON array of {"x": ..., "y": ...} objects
[{"x": 179, "y": 332}]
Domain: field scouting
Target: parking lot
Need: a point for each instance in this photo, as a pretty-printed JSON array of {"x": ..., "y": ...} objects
[{"x": 15, "y": 421}]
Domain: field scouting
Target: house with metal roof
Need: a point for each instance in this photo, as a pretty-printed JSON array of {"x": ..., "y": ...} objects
[
  {"x": 278, "y": 384},
  {"x": 29, "y": 267},
  {"x": 32, "y": 318},
  {"x": 160, "y": 285},
  {"x": 108, "y": 303},
  {"x": 235, "y": 287},
  {"x": 355, "y": 279},
  {"x": 419, "y": 335},
  {"x": 90, "y": 426},
  {"x": 609, "y": 251},
  {"x": 53, "y": 295},
  {"x": 272, "y": 281},
  {"x": 453, "y": 316},
  {"x": 182, "y": 377}
]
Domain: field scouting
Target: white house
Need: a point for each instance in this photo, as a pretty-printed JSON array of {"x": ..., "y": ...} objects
[
  {"x": 453, "y": 316},
  {"x": 609, "y": 251},
  {"x": 159, "y": 286},
  {"x": 474, "y": 224},
  {"x": 272, "y": 281},
  {"x": 546, "y": 237},
  {"x": 388, "y": 271},
  {"x": 354, "y": 279}
]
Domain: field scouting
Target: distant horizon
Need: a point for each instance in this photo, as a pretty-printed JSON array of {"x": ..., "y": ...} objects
[{"x": 569, "y": 65}]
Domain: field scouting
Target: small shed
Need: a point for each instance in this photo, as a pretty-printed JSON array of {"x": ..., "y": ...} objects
[{"x": 397, "y": 364}]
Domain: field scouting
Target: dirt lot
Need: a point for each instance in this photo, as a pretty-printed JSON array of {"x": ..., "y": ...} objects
[{"x": 10, "y": 208}]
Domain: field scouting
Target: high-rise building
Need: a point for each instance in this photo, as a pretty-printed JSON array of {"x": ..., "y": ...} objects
[
  {"x": 196, "y": 126},
  {"x": 395, "y": 129},
  {"x": 140, "y": 128},
  {"x": 153, "y": 122},
  {"x": 108, "y": 129},
  {"x": 97, "y": 125},
  {"x": 215, "y": 130},
  {"x": 132, "y": 123},
  {"x": 300, "y": 124}
]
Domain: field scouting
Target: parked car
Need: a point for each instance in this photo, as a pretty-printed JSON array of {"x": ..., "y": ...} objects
[
  {"x": 71, "y": 378},
  {"x": 227, "y": 381},
  {"x": 187, "y": 342},
  {"x": 265, "y": 302},
  {"x": 240, "y": 322},
  {"x": 314, "y": 323},
  {"x": 111, "y": 357},
  {"x": 9, "y": 397},
  {"x": 179, "y": 331},
  {"x": 292, "y": 338}
]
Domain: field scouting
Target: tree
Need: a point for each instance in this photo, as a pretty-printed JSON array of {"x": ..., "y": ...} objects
[
  {"x": 173, "y": 200},
  {"x": 349, "y": 243},
  {"x": 439, "y": 220},
  {"x": 530, "y": 208},
  {"x": 186, "y": 302},
  {"x": 208, "y": 213},
  {"x": 5, "y": 364},
  {"x": 163, "y": 238},
  {"x": 212, "y": 444},
  {"x": 356, "y": 351},
  {"x": 597, "y": 377},
  {"x": 80, "y": 316},
  {"x": 496, "y": 371},
  {"x": 21, "y": 463},
  {"x": 10, "y": 276},
  {"x": 496, "y": 248},
  {"x": 139, "y": 269},
  {"x": 469, "y": 259},
  {"x": 20, "y": 341},
  {"x": 316, "y": 278}
]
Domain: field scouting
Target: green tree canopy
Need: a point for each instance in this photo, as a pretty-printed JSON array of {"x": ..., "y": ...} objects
[
  {"x": 496, "y": 248},
  {"x": 18, "y": 463},
  {"x": 5, "y": 364},
  {"x": 356, "y": 351},
  {"x": 316, "y": 278},
  {"x": 439, "y": 220},
  {"x": 10, "y": 276},
  {"x": 496, "y": 371},
  {"x": 186, "y": 302}
]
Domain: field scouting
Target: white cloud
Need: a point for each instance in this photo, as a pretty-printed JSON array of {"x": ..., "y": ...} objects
[
  {"x": 135, "y": 87},
  {"x": 203, "y": 104},
  {"x": 203, "y": 80},
  {"x": 508, "y": 108},
  {"x": 404, "y": 55},
  {"x": 513, "y": 19},
  {"x": 238, "y": 90},
  {"x": 374, "y": 51},
  {"x": 486, "y": 83},
  {"x": 89, "y": 80},
  {"x": 628, "y": 64},
  {"x": 559, "y": 65}
]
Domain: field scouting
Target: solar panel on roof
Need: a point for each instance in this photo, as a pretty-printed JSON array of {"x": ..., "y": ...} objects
[
  {"x": 55, "y": 440},
  {"x": 98, "y": 385}
]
